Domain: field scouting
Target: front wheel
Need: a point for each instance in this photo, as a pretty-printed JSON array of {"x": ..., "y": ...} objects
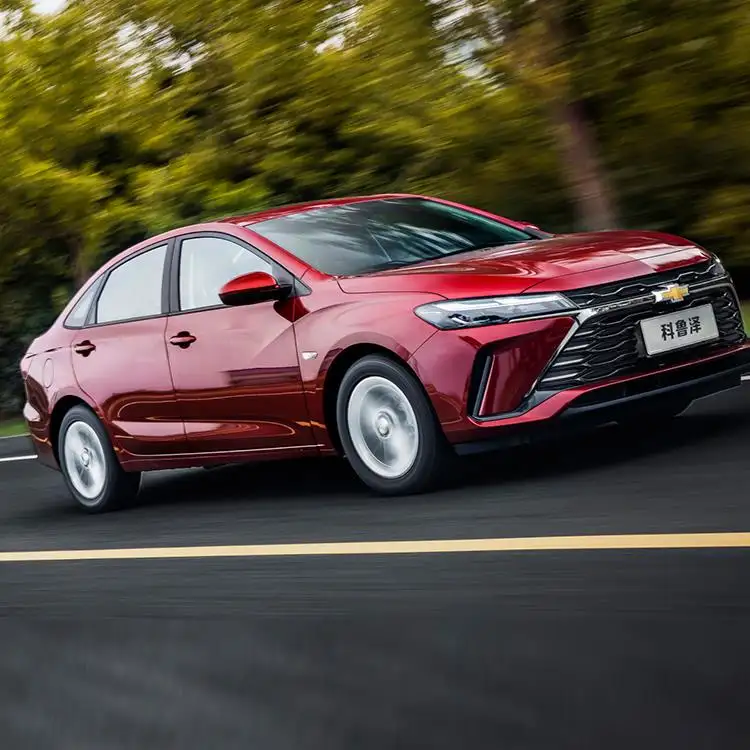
[
  {"x": 388, "y": 430},
  {"x": 88, "y": 462}
]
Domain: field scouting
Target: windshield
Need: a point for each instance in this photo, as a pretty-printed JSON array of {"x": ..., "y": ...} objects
[{"x": 367, "y": 236}]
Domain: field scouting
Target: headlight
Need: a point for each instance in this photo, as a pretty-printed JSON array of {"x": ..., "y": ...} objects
[
  {"x": 488, "y": 311},
  {"x": 718, "y": 269}
]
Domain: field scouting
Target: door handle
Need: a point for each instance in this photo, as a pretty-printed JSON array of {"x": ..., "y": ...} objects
[
  {"x": 84, "y": 348},
  {"x": 183, "y": 339}
]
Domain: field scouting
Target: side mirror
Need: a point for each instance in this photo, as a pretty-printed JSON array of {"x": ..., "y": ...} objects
[{"x": 252, "y": 288}]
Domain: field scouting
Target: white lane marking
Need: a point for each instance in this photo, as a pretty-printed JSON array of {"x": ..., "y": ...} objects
[
  {"x": 745, "y": 378},
  {"x": 7, "y": 459},
  {"x": 419, "y": 547}
]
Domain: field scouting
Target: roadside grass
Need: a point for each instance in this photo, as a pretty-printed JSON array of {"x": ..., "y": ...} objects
[
  {"x": 12, "y": 427},
  {"x": 746, "y": 314}
]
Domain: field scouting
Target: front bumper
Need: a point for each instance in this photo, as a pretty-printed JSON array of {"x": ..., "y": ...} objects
[
  {"x": 484, "y": 381},
  {"x": 607, "y": 402}
]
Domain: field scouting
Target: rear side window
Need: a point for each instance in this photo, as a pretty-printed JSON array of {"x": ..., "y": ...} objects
[
  {"x": 134, "y": 289},
  {"x": 78, "y": 315}
]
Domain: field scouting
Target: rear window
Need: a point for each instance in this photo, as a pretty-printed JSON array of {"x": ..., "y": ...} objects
[
  {"x": 133, "y": 289},
  {"x": 372, "y": 235}
]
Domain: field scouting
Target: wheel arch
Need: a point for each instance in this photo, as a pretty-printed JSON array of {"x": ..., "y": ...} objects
[
  {"x": 335, "y": 375},
  {"x": 61, "y": 408}
]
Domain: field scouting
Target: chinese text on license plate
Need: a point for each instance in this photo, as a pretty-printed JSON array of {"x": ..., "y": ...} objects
[{"x": 685, "y": 328}]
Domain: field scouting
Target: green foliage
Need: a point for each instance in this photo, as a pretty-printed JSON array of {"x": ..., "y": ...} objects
[
  {"x": 121, "y": 118},
  {"x": 12, "y": 428}
]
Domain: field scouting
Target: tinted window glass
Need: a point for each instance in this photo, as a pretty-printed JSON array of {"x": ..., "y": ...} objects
[
  {"x": 207, "y": 263},
  {"x": 78, "y": 315},
  {"x": 133, "y": 289},
  {"x": 366, "y": 236}
]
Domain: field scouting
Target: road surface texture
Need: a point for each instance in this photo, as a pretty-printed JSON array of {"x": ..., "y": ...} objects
[{"x": 573, "y": 648}]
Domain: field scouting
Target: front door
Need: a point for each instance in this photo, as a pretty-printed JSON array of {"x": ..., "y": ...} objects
[
  {"x": 120, "y": 359},
  {"x": 235, "y": 369}
]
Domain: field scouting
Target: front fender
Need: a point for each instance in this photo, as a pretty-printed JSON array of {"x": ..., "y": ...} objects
[{"x": 324, "y": 334}]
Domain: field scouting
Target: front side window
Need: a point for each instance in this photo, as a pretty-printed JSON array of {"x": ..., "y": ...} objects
[
  {"x": 133, "y": 289},
  {"x": 207, "y": 263},
  {"x": 385, "y": 233}
]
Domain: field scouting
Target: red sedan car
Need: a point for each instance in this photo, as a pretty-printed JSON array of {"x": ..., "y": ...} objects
[{"x": 397, "y": 330}]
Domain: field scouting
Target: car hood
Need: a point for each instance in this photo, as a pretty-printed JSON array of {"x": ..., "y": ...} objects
[{"x": 554, "y": 264}]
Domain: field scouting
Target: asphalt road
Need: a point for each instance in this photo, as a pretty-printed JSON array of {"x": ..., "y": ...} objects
[{"x": 565, "y": 649}]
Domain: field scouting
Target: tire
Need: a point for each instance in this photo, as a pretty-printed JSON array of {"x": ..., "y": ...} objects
[
  {"x": 92, "y": 472},
  {"x": 400, "y": 414},
  {"x": 647, "y": 415}
]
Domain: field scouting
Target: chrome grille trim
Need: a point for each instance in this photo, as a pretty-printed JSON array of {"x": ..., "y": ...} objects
[
  {"x": 581, "y": 316},
  {"x": 642, "y": 286},
  {"x": 701, "y": 278},
  {"x": 611, "y": 348}
]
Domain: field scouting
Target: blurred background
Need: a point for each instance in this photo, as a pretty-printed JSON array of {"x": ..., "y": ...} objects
[{"x": 122, "y": 118}]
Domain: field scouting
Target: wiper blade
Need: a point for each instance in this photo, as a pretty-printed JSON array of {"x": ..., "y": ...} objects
[
  {"x": 392, "y": 264},
  {"x": 487, "y": 246},
  {"x": 403, "y": 263}
]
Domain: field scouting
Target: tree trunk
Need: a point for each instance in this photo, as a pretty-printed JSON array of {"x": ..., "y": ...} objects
[
  {"x": 579, "y": 151},
  {"x": 80, "y": 267},
  {"x": 582, "y": 166}
]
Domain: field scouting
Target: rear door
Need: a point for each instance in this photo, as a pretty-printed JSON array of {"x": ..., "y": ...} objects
[
  {"x": 120, "y": 359},
  {"x": 235, "y": 369}
]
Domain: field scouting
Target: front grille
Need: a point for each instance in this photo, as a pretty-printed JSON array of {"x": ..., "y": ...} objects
[
  {"x": 608, "y": 345},
  {"x": 643, "y": 285}
]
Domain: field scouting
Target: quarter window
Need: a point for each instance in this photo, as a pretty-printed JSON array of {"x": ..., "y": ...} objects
[
  {"x": 133, "y": 289},
  {"x": 207, "y": 263},
  {"x": 78, "y": 315}
]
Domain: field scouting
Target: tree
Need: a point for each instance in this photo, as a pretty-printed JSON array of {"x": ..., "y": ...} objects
[
  {"x": 120, "y": 118},
  {"x": 535, "y": 45}
]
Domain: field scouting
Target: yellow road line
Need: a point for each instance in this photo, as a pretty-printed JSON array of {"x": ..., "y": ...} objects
[{"x": 435, "y": 546}]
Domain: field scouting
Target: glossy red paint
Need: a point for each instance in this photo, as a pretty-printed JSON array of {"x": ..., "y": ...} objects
[
  {"x": 446, "y": 363},
  {"x": 450, "y": 402},
  {"x": 50, "y": 386},
  {"x": 128, "y": 377},
  {"x": 235, "y": 383},
  {"x": 554, "y": 264},
  {"x": 333, "y": 324},
  {"x": 557, "y": 404},
  {"x": 238, "y": 384},
  {"x": 515, "y": 364},
  {"x": 250, "y": 287}
]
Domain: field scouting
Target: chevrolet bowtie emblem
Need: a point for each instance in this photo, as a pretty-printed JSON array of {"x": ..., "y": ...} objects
[{"x": 671, "y": 293}]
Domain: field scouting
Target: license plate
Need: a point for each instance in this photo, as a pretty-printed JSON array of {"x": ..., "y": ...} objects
[{"x": 688, "y": 327}]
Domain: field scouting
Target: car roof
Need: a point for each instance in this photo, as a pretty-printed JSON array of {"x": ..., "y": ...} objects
[
  {"x": 272, "y": 213},
  {"x": 244, "y": 220}
]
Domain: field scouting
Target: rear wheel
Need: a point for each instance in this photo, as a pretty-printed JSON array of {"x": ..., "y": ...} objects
[
  {"x": 88, "y": 462},
  {"x": 388, "y": 430}
]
